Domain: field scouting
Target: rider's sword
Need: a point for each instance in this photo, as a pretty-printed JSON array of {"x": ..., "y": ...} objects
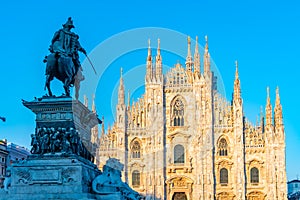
[{"x": 91, "y": 63}]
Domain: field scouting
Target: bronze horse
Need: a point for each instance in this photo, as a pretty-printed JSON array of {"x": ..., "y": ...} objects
[{"x": 62, "y": 68}]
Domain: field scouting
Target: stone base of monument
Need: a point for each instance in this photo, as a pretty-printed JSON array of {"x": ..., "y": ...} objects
[
  {"x": 53, "y": 177},
  {"x": 115, "y": 196}
]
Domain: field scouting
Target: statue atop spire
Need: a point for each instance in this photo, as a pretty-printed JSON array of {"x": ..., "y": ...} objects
[
  {"x": 93, "y": 104},
  {"x": 277, "y": 97},
  {"x": 149, "y": 58},
  {"x": 206, "y": 57},
  {"x": 158, "y": 64},
  {"x": 189, "y": 61},
  {"x": 268, "y": 109},
  {"x": 236, "y": 69},
  {"x": 237, "y": 85},
  {"x": 121, "y": 95},
  {"x": 149, "y": 64},
  {"x": 158, "y": 56},
  {"x": 206, "y": 43},
  {"x": 278, "y": 110},
  {"x": 197, "y": 58}
]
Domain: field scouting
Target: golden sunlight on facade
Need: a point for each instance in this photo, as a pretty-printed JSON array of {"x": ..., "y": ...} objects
[{"x": 183, "y": 140}]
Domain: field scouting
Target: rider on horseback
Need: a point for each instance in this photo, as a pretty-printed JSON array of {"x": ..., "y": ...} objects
[
  {"x": 66, "y": 43},
  {"x": 63, "y": 62}
]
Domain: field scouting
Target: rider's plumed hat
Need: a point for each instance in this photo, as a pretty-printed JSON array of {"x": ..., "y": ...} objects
[{"x": 69, "y": 23}]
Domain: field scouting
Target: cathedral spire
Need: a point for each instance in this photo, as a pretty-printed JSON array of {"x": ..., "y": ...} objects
[
  {"x": 277, "y": 97},
  {"x": 189, "y": 61},
  {"x": 158, "y": 49},
  {"x": 102, "y": 128},
  {"x": 278, "y": 110},
  {"x": 237, "y": 85},
  {"x": 158, "y": 63},
  {"x": 268, "y": 109},
  {"x": 94, "y": 105},
  {"x": 149, "y": 64},
  {"x": 128, "y": 99},
  {"x": 262, "y": 119},
  {"x": 121, "y": 95},
  {"x": 206, "y": 57},
  {"x": 85, "y": 101},
  {"x": 149, "y": 51},
  {"x": 197, "y": 58}
]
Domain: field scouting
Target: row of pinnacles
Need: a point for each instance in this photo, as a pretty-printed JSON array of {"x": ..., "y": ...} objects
[
  {"x": 193, "y": 66},
  {"x": 193, "y": 76}
]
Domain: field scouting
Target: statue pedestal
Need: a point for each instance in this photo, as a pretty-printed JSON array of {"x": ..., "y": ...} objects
[
  {"x": 53, "y": 177},
  {"x": 64, "y": 112},
  {"x": 61, "y": 166}
]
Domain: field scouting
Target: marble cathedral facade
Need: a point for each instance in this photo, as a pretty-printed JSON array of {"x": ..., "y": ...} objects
[{"x": 183, "y": 140}]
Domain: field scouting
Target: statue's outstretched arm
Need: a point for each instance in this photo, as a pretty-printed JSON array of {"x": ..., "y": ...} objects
[{"x": 80, "y": 48}]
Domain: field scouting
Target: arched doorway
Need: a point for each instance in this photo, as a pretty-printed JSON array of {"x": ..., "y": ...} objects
[
  {"x": 179, "y": 196},
  {"x": 179, "y": 188}
]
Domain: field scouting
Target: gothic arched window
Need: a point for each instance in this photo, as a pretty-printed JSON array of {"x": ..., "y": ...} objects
[
  {"x": 222, "y": 147},
  {"x": 136, "y": 150},
  {"x": 254, "y": 175},
  {"x": 136, "y": 178},
  {"x": 178, "y": 113},
  {"x": 178, "y": 154},
  {"x": 223, "y": 176}
]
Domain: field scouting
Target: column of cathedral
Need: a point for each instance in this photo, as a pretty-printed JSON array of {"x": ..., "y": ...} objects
[
  {"x": 237, "y": 175},
  {"x": 120, "y": 128},
  {"x": 275, "y": 148},
  {"x": 270, "y": 156},
  {"x": 154, "y": 119},
  {"x": 198, "y": 83},
  {"x": 207, "y": 112},
  {"x": 280, "y": 143},
  {"x": 149, "y": 115}
]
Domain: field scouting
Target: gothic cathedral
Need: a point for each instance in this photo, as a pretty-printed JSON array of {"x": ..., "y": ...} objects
[{"x": 183, "y": 140}]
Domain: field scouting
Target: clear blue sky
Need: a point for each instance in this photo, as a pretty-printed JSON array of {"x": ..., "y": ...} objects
[{"x": 262, "y": 35}]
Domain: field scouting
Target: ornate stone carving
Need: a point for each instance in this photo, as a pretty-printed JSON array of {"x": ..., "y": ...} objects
[
  {"x": 60, "y": 140},
  {"x": 24, "y": 176},
  {"x": 67, "y": 175},
  {"x": 109, "y": 182}
]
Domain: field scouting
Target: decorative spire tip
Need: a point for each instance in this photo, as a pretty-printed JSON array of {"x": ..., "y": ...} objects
[
  {"x": 149, "y": 43},
  {"x": 189, "y": 39},
  {"x": 268, "y": 92}
]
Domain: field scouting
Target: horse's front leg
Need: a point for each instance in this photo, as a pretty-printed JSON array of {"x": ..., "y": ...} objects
[
  {"x": 47, "y": 84},
  {"x": 67, "y": 87}
]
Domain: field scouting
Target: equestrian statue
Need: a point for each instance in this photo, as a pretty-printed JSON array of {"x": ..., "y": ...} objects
[{"x": 63, "y": 60}]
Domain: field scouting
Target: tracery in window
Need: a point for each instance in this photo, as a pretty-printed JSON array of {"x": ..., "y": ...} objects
[
  {"x": 178, "y": 113},
  {"x": 223, "y": 147},
  {"x": 136, "y": 150}
]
